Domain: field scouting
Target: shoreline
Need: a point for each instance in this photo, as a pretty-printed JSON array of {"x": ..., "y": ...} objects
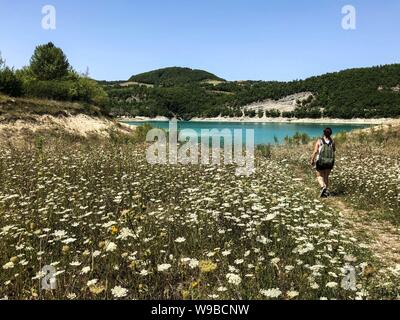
[{"x": 381, "y": 121}]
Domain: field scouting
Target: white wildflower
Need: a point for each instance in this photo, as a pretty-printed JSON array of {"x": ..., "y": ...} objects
[
  {"x": 110, "y": 246},
  {"x": 180, "y": 240},
  {"x": 85, "y": 270},
  {"x": 292, "y": 294},
  {"x": 233, "y": 279},
  {"x": 92, "y": 282},
  {"x": 163, "y": 267},
  {"x": 331, "y": 285},
  {"x": 193, "y": 263},
  {"x": 271, "y": 293},
  {"x": 119, "y": 292},
  {"x": 8, "y": 265}
]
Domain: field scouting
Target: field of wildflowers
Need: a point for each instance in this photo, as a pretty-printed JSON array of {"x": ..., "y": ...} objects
[
  {"x": 368, "y": 173},
  {"x": 114, "y": 227}
]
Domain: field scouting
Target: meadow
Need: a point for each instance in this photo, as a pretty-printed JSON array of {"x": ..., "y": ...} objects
[{"x": 115, "y": 227}]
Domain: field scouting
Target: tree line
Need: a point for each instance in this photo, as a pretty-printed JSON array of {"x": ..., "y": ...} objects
[
  {"x": 50, "y": 76},
  {"x": 361, "y": 93}
]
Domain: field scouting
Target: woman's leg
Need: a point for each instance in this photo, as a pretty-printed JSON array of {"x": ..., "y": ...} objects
[
  {"x": 327, "y": 173},
  {"x": 321, "y": 178}
]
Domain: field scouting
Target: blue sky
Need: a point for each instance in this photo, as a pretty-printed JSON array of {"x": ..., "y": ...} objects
[{"x": 235, "y": 39}]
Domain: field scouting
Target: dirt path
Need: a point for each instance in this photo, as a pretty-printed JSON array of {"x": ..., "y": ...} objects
[{"x": 383, "y": 239}]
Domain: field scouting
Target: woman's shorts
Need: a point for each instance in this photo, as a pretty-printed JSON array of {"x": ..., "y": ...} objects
[{"x": 319, "y": 168}]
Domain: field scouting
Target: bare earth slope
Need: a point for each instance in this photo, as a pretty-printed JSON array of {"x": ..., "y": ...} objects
[
  {"x": 21, "y": 117},
  {"x": 285, "y": 104}
]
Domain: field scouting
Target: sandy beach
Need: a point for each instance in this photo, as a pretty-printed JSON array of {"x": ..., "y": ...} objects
[{"x": 274, "y": 120}]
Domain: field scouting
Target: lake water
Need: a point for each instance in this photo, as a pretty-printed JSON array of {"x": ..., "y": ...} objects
[{"x": 264, "y": 133}]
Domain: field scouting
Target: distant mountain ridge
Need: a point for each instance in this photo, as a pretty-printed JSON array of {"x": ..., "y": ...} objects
[
  {"x": 372, "y": 92},
  {"x": 174, "y": 76}
]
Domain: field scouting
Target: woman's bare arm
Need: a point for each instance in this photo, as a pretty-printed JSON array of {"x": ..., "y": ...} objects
[{"x": 316, "y": 149}]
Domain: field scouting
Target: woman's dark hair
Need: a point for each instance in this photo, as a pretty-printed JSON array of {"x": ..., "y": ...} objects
[{"x": 328, "y": 132}]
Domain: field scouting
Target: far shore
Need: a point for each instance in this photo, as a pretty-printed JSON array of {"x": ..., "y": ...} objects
[{"x": 381, "y": 121}]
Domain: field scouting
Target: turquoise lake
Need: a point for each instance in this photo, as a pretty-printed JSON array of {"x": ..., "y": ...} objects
[{"x": 264, "y": 133}]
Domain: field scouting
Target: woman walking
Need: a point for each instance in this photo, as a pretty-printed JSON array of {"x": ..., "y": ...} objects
[{"x": 323, "y": 160}]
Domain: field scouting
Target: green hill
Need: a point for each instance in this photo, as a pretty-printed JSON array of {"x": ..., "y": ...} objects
[
  {"x": 354, "y": 93},
  {"x": 174, "y": 76}
]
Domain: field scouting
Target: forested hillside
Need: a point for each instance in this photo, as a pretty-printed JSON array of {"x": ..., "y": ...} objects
[
  {"x": 174, "y": 76},
  {"x": 363, "y": 93}
]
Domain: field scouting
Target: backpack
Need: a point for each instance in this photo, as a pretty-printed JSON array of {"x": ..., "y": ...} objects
[{"x": 326, "y": 159}]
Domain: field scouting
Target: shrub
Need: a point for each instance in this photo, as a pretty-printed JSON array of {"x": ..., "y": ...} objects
[
  {"x": 250, "y": 113},
  {"x": 141, "y": 132},
  {"x": 265, "y": 150},
  {"x": 81, "y": 89},
  {"x": 340, "y": 137},
  {"x": 298, "y": 139},
  {"x": 288, "y": 114},
  {"x": 86, "y": 89},
  {"x": 9, "y": 83},
  {"x": 378, "y": 135},
  {"x": 55, "y": 90},
  {"x": 274, "y": 113}
]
